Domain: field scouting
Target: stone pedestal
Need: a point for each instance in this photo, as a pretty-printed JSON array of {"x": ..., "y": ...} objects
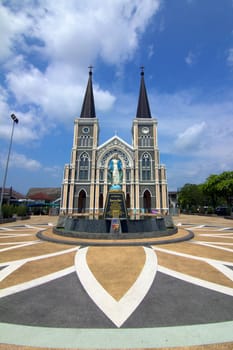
[{"x": 115, "y": 206}]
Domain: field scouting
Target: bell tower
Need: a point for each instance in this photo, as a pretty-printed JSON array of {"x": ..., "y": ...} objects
[
  {"x": 150, "y": 176},
  {"x": 78, "y": 189}
]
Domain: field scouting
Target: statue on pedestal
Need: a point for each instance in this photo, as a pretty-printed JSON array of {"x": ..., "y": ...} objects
[
  {"x": 115, "y": 173},
  {"x": 115, "y": 205}
]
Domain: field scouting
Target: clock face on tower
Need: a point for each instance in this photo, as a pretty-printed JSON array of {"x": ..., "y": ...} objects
[
  {"x": 145, "y": 130},
  {"x": 85, "y": 130}
]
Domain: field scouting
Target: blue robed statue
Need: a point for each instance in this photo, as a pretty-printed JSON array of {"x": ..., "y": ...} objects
[{"x": 115, "y": 173}]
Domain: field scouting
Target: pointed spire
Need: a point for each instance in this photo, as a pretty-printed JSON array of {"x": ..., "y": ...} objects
[
  {"x": 88, "y": 108},
  {"x": 143, "y": 110}
]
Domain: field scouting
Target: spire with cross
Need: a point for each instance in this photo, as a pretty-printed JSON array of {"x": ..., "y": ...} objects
[
  {"x": 88, "y": 108},
  {"x": 143, "y": 110}
]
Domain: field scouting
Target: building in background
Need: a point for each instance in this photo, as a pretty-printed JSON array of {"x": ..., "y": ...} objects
[
  {"x": 86, "y": 179},
  {"x": 10, "y": 196}
]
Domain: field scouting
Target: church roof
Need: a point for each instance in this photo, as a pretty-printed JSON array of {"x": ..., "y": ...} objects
[
  {"x": 143, "y": 110},
  {"x": 115, "y": 140},
  {"x": 88, "y": 107}
]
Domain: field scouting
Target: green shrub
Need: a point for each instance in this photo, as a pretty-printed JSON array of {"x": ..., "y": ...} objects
[
  {"x": 21, "y": 210},
  {"x": 210, "y": 210},
  {"x": 7, "y": 211}
]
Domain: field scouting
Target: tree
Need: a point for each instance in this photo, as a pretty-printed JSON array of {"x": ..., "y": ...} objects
[
  {"x": 220, "y": 188},
  {"x": 210, "y": 189},
  {"x": 190, "y": 197},
  {"x": 225, "y": 186}
]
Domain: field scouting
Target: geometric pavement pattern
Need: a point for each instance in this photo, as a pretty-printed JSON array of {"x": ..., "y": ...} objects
[{"x": 189, "y": 283}]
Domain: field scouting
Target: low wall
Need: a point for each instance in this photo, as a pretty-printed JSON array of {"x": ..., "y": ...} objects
[{"x": 97, "y": 229}]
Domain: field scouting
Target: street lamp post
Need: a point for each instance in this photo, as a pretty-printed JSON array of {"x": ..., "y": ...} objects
[{"x": 15, "y": 121}]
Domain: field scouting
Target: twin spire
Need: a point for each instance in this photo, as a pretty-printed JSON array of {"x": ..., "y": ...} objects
[
  {"x": 88, "y": 107},
  {"x": 143, "y": 110}
]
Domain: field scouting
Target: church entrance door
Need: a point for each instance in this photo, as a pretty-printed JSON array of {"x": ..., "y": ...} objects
[
  {"x": 128, "y": 200},
  {"x": 82, "y": 202},
  {"x": 147, "y": 201},
  {"x": 101, "y": 201}
]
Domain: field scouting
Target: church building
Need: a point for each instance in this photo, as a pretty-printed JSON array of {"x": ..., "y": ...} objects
[{"x": 86, "y": 179}]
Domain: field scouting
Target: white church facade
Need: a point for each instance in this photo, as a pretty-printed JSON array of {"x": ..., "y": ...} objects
[{"x": 86, "y": 178}]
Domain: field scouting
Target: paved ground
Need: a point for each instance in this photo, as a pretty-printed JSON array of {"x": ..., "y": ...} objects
[{"x": 151, "y": 296}]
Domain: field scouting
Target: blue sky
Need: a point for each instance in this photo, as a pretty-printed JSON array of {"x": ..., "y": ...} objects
[{"x": 186, "y": 47}]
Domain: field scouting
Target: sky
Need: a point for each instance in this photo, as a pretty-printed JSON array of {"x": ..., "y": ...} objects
[{"x": 186, "y": 47}]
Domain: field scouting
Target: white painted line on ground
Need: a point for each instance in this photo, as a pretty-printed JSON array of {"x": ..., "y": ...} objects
[
  {"x": 9, "y": 269},
  {"x": 33, "y": 227},
  {"x": 212, "y": 246},
  {"x": 117, "y": 311},
  {"x": 19, "y": 245},
  {"x": 12, "y": 266},
  {"x": 225, "y": 228},
  {"x": 197, "y": 227},
  {"x": 15, "y": 243},
  {"x": 197, "y": 281},
  {"x": 34, "y": 258},
  {"x": 36, "y": 282},
  {"x": 223, "y": 269},
  {"x": 14, "y": 235},
  {"x": 6, "y": 229},
  {"x": 194, "y": 257},
  {"x": 215, "y": 243},
  {"x": 228, "y": 235}
]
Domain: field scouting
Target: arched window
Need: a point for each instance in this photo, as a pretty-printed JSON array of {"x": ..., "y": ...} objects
[
  {"x": 85, "y": 141},
  {"x": 146, "y": 167},
  {"x": 127, "y": 174},
  {"x": 145, "y": 141},
  {"x": 101, "y": 177},
  {"x": 84, "y": 166}
]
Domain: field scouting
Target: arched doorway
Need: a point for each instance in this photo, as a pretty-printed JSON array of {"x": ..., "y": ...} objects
[
  {"x": 82, "y": 201},
  {"x": 147, "y": 201},
  {"x": 101, "y": 201},
  {"x": 127, "y": 200}
]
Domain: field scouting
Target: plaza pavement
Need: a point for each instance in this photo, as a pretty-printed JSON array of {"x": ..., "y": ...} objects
[{"x": 171, "y": 295}]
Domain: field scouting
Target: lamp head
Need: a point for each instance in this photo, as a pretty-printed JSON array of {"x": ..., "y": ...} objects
[{"x": 14, "y": 118}]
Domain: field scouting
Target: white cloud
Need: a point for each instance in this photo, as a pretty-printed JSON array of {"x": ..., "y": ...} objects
[
  {"x": 79, "y": 32},
  {"x": 48, "y": 46},
  {"x": 179, "y": 111},
  {"x": 103, "y": 99},
  {"x": 54, "y": 171},
  {"x": 57, "y": 99},
  {"x": 26, "y": 130},
  {"x": 191, "y": 137},
  {"x": 150, "y": 51},
  {"x": 12, "y": 28},
  {"x": 190, "y": 59},
  {"x": 18, "y": 160},
  {"x": 197, "y": 134},
  {"x": 230, "y": 57}
]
